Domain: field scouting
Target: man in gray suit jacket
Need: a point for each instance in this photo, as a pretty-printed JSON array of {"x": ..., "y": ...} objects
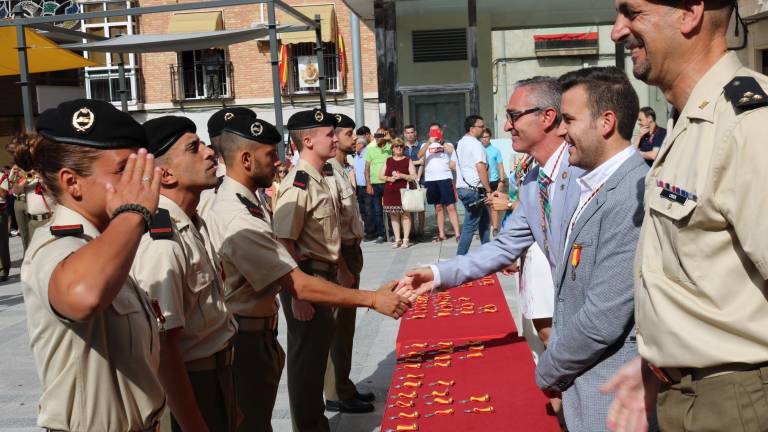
[{"x": 593, "y": 333}]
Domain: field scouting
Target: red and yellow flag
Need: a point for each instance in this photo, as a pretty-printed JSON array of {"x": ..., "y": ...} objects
[
  {"x": 342, "y": 55},
  {"x": 283, "y": 66}
]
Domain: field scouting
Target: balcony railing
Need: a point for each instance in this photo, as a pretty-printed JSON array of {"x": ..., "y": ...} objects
[
  {"x": 202, "y": 81},
  {"x": 334, "y": 81}
]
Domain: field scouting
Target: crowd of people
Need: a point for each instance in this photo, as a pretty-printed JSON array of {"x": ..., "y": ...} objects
[{"x": 643, "y": 268}]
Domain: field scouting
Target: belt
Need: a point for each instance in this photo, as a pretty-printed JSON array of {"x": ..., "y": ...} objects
[
  {"x": 22, "y": 198},
  {"x": 319, "y": 266},
  {"x": 675, "y": 375},
  {"x": 41, "y": 217},
  {"x": 256, "y": 324},
  {"x": 225, "y": 356},
  {"x": 354, "y": 242}
]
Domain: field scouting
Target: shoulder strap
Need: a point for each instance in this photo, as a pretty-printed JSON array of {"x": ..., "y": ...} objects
[
  {"x": 162, "y": 227},
  {"x": 254, "y": 209},
  {"x": 301, "y": 180},
  {"x": 66, "y": 230},
  {"x": 745, "y": 93}
]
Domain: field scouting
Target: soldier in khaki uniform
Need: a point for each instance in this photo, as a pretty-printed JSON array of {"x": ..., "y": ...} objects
[
  {"x": 241, "y": 232},
  {"x": 175, "y": 265},
  {"x": 93, "y": 332},
  {"x": 40, "y": 203},
  {"x": 702, "y": 262},
  {"x": 340, "y": 392},
  {"x": 307, "y": 220}
]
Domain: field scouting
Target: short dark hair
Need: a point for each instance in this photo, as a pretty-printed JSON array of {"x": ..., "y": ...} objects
[
  {"x": 487, "y": 131},
  {"x": 435, "y": 124},
  {"x": 608, "y": 89},
  {"x": 363, "y": 130},
  {"x": 649, "y": 112},
  {"x": 470, "y": 121},
  {"x": 409, "y": 126}
]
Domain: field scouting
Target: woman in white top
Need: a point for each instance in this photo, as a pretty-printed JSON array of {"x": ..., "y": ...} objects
[{"x": 439, "y": 164}]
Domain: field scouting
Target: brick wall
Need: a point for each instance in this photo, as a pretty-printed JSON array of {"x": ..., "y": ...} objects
[{"x": 252, "y": 70}]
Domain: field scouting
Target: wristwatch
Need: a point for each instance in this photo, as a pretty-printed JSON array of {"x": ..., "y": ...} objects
[{"x": 509, "y": 205}]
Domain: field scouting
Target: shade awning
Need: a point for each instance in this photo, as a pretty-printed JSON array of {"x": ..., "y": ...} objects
[
  {"x": 43, "y": 55},
  {"x": 327, "y": 24},
  {"x": 191, "y": 22},
  {"x": 177, "y": 42}
]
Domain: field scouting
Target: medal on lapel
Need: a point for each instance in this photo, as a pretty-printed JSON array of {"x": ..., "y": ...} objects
[{"x": 575, "y": 259}]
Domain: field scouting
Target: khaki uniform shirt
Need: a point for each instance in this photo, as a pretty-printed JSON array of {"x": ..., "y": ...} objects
[
  {"x": 97, "y": 375},
  {"x": 251, "y": 256},
  {"x": 180, "y": 274},
  {"x": 351, "y": 222},
  {"x": 702, "y": 264},
  {"x": 309, "y": 216},
  {"x": 38, "y": 203}
]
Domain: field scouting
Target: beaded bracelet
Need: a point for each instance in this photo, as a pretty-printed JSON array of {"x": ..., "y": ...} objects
[{"x": 135, "y": 208}]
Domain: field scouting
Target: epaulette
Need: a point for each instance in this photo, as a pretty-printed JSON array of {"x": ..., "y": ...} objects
[
  {"x": 301, "y": 180},
  {"x": 327, "y": 170},
  {"x": 219, "y": 181},
  {"x": 745, "y": 93},
  {"x": 251, "y": 206},
  {"x": 66, "y": 230},
  {"x": 162, "y": 227}
]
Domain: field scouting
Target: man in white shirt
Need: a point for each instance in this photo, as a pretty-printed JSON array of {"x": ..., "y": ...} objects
[{"x": 472, "y": 183}]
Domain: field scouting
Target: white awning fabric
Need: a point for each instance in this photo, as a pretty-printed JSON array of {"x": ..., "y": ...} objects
[{"x": 178, "y": 41}]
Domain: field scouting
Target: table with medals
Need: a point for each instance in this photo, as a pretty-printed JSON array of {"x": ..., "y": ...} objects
[{"x": 462, "y": 367}]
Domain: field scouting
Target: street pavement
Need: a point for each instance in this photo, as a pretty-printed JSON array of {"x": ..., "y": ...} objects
[{"x": 373, "y": 358}]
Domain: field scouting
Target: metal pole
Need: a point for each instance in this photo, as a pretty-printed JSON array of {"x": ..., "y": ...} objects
[
  {"x": 357, "y": 69},
  {"x": 276, "y": 76},
  {"x": 26, "y": 92},
  {"x": 474, "y": 95},
  {"x": 320, "y": 61},
  {"x": 121, "y": 86}
]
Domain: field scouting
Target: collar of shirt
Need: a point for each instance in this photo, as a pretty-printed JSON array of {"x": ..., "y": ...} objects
[
  {"x": 592, "y": 180},
  {"x": 63, "y": 215},
  {"x": 305, "y": 166},
  {"x": 230, "y": 186},
  {"x": 701, "y": 102},
  {"x": 553, "y": 162},
  {"x": 177, "y": 214}
]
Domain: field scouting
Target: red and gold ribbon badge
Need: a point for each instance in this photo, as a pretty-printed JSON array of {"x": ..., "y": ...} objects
[{"x": 576, "y": 255}]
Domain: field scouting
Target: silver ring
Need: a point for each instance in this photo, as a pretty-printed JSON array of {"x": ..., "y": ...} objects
[{"x": 146, "y": 179}]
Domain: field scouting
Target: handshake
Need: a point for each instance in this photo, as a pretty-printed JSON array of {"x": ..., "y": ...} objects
[{"x": 395, "y": 297}]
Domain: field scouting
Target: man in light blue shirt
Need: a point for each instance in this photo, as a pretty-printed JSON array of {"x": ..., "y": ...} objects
[
  {"x": 364, "y": 201},
  {"x": 495, "y": 174}
]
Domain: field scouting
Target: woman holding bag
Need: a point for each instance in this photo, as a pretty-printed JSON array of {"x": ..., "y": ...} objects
[{"x": 397, "y": 172}]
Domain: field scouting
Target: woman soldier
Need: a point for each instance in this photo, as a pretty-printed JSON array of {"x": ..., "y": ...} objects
[{"x": 93, "y": 333}]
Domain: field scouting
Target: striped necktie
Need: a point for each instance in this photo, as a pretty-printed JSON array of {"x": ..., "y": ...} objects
[{"x": 544, "y": 181}]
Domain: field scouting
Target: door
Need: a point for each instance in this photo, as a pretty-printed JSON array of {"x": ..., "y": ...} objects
[{"x": 449, "y": 110}]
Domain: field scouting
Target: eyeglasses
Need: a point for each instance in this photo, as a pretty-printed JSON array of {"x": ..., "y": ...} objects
[
  {"x": 398, "y": 146},
  {"x": 282, "y": 172},
  {"x": 486, "y": 137},
  {"x": 513, "y": 116}
]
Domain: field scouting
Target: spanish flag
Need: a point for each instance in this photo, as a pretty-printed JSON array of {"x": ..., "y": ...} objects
[
  {"x": 283, "y": 66},
  {"x": 342, "y": 56}
]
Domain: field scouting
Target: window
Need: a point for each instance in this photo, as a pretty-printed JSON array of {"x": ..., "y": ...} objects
[
  {"x": 303, "y": 73},
  {"x": 102, "y": 82},
  {"x": 439, "y": 45},
  {"x": 202, "y": 74}
]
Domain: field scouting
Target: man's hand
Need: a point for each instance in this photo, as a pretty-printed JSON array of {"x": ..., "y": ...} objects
[
  {"x": 389, "y": 303},
  {"x": 302, "y": 310},
  {"x": 636, "y": 392},
  {"x": 511, "y": 269},
  {"x": 500, "y": 201},
  {"x": 419, "y": 281},
  {"x": 346, "y": 278},
  {"x": 369, "y": 189}
]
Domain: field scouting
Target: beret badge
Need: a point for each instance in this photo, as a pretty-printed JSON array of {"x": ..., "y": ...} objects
[
  {"x": 319, "y": 116},
  {"x": 256, "y": 129},
  {"x": 83, "y": 120},
  {"x": 229, "y": 116}
]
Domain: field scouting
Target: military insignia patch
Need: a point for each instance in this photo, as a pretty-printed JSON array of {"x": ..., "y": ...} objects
[
  {"x": 319, "y": 116},
  {"x": 327, "y": 170},
  {"x": 66, "y": 230},
  {"x": 256, "y": 129},
  {"x": 745, "y": 93},
  {"x": 162, "y": 227},
  {"x": 301, "y": 180},
  {"x": 83, "y": 120}
]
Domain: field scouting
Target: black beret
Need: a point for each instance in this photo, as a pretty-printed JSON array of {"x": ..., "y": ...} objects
[
  {"x": 254, "y": 130},
  {"x": 163, "y": 132},
  {"x": 221, "y": 117},
  {"x": 311, "y": 119},
  {"x": 344, "y": 121},
  {"x": 91, "y": 123}
]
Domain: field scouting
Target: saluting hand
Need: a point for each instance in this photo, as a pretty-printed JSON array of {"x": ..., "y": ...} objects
[
  {"x": 390, "y": 303},
  {"x": 139, "y": 184}
]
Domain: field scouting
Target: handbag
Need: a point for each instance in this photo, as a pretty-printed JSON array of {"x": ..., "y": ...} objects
[{"x": 413, "y": 199}]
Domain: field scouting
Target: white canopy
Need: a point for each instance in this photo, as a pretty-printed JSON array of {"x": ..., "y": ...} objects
[{"x": 179, "y": 41}]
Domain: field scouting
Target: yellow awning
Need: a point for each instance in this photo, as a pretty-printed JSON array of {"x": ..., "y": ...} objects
[
  {"x": 43, "y": 55},
  {"x": 327, "y": 24},
  {"x": 195, "y": 22}
]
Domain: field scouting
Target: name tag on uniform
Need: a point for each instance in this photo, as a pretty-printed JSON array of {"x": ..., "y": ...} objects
[{"x": 673, "y": 197}]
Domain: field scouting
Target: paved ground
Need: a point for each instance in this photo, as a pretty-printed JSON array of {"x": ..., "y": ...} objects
[{"x": 373, "y": 359}]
